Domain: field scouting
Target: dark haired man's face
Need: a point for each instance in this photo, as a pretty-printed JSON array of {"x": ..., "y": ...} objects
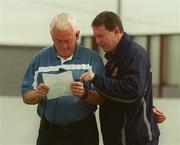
[{"x": 105, "y": 38}]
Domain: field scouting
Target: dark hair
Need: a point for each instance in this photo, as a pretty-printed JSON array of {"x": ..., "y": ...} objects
[{"x": 109, "y": 19}]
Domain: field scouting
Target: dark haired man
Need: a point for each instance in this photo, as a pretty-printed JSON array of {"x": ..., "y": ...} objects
[{"x": 126, "y": 114}]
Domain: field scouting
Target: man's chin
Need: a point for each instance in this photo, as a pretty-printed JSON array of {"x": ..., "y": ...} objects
[{"x": 105, "y": 50}]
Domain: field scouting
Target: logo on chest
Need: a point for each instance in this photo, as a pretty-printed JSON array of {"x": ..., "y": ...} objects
[
  {"x": 115, "y": 72},
  {"x": 113, "y": 68}
]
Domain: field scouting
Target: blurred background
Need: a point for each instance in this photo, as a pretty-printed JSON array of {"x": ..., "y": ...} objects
[{"x": 24, "y": 30}]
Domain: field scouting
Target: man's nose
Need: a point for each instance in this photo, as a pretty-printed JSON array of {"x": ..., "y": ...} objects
[
  {"x": 98, "y": 41},
  {"x": 64, "y": 44}
]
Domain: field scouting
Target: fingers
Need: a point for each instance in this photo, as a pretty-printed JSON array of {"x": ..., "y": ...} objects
[
  {"x": 87, "y": 76},
  {"x": 158, "y": 112},
  {"x": 161, "y": 119},
  {"x": 77, "y": 88},
  {"x": 160, "y": 116},
  {"x": 42, "y": 90},
  {"x": 84, "y": 76}
]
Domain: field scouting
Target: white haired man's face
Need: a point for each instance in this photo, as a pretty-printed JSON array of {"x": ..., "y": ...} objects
[{"x": 65, "y": 41}]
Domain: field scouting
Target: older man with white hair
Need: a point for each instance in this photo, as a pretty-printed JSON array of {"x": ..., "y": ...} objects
[{"x": 65, "y": 120}]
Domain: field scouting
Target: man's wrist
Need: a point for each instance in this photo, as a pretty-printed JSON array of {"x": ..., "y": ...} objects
[{"x": 85, "y": 94}]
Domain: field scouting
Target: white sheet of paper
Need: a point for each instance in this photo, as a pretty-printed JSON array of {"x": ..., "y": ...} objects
[{"x": 59, "y": 84}]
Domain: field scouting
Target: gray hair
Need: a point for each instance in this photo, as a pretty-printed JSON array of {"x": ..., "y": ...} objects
[{"x": 62, "y": 21}]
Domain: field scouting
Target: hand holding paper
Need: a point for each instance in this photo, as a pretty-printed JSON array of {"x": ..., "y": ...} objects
[{"x": 59, "y": 84}]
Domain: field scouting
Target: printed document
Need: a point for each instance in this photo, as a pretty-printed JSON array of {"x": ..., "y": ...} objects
[{"x": 59, "y": 84}]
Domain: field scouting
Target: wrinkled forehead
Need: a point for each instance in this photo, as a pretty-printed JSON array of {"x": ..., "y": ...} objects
[{"x": 65, "y": 30}]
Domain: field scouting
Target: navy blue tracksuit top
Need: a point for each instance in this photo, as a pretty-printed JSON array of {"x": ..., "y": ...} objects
[{"x": 126, "y": 116}]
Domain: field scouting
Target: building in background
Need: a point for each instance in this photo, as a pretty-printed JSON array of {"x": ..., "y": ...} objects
[{"x": 24, "y": 27}]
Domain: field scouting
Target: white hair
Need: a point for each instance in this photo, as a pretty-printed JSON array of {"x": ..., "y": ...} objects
[{"x": 62, "y": 21}]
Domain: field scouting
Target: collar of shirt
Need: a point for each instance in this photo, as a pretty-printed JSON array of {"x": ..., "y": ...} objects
[
  {"x": 64, "y": 60},
  {"x": 75, "y": 55}
]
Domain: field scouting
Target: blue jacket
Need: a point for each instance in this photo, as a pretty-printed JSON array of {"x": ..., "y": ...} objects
[
  {"x": 126, "y": 115},
  {"x": 64, "y": 109}
]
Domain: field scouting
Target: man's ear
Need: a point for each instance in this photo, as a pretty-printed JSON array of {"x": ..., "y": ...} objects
[
  {"x": 116, "y": 30},
  {"x": 77, "y": 35}
]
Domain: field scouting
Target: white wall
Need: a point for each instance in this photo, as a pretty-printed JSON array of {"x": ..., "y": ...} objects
[
  {"x": 19, "y": 122},
  {"x": 170, "y": 129},
  {"x": 27, "y": 21},
  {"x": 151, "y": 16}
]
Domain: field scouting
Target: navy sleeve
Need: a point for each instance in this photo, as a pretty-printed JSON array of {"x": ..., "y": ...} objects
[{"x": 130, "y": 87}]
